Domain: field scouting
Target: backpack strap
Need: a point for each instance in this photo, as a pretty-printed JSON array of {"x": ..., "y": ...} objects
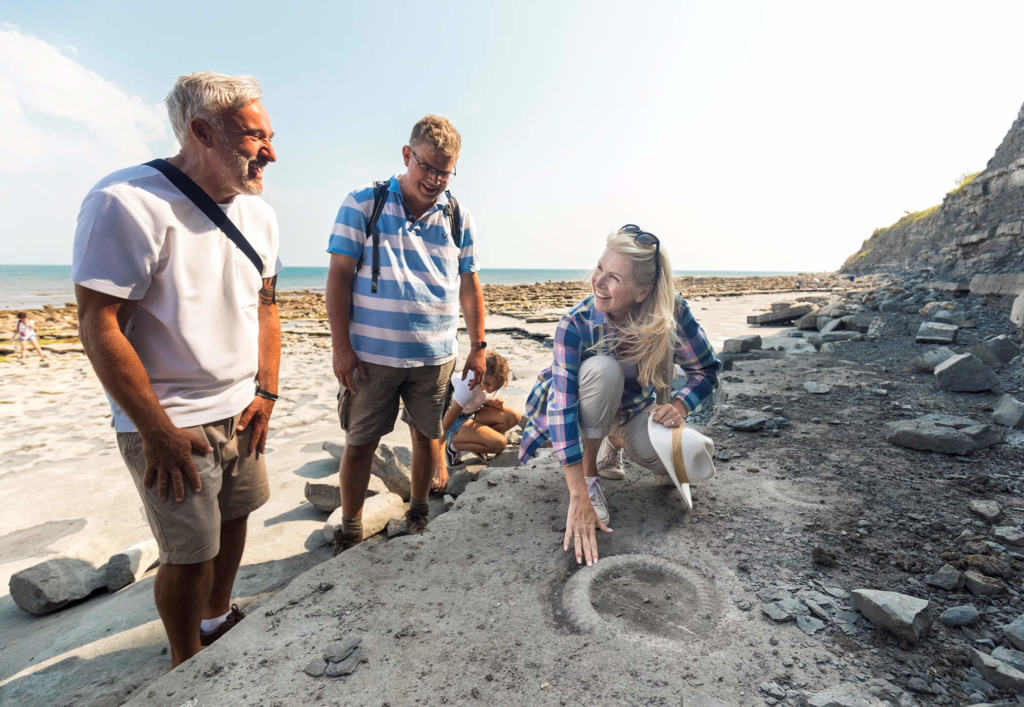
[
  {"x": 454, "y": 215},
  {"x": 380, "y": 198}
]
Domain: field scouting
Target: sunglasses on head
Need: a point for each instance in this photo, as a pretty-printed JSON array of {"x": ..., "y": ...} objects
[{"x": 646, "y": 239}]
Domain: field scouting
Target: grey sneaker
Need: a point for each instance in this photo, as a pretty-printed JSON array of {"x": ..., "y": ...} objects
[
  {"x": 609, "y": 466},
  {"x": 597, "y": 498}
]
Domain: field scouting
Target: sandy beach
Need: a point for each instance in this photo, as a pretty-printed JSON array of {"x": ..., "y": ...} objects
[{"x": 73, "y": 498}]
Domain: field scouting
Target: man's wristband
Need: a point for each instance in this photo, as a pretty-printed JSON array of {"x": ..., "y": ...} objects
[
  {"x": 264, "y": 394},
  {"x": 478, "y": 344}
]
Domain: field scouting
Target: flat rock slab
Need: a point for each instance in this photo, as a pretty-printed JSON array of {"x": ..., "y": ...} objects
[
  {"x": 925, "y": 435},
  {"x": 786, "y": 315},
  {"x": 905, "y": 616},
  {"x": 1014, "y": 632},
  {"x": 1002, "y": 675},
  {"x": 816, "y": 388},
  {"x": 937, "y": 333},
  {"x": 996, "y": 351},
  {"x": 1010, "y": 535},
  {"x": 987, "y": 510},
  {"x": 948, "y": 578},
  {"x": 475, "y": 605}
]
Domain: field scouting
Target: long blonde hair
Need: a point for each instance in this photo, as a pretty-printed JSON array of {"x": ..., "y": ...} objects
[{"x": 647, "y": 335}]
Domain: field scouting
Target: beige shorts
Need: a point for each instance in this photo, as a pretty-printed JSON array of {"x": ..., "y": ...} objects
[
  {"x": 234, "y": 484},
  {"x": 371, "y": 413}
]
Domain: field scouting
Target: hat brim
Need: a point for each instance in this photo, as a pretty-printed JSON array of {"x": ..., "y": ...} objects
[{"x": 661, "y": 440}]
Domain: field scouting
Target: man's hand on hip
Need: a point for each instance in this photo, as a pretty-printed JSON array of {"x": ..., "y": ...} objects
[
  {"x": 476, "y": 362},
  {"x": 258, "y": 414},
  {"x": 346, "y": 363},
  {"x": 168, "y": 455}
]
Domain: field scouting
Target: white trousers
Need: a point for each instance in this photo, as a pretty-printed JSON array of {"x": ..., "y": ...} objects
[{"x": 600, "y": 393}]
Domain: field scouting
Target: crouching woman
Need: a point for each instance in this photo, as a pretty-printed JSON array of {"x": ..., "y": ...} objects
[{"x": 610, "y": 357}]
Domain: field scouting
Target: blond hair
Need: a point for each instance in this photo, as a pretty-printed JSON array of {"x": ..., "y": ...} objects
[
  {"x": 207, "y": 95},
  {"x": 437, "y": 132},
  {"x": 648, "y": 335}
]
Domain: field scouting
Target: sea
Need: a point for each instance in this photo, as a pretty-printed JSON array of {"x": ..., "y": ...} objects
[{"x": 32, "y": 286}]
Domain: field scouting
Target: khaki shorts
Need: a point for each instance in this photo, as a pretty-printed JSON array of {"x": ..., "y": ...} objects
[
  {"x": 371, "y": 414},
  {"x": 234, "y": 485}
]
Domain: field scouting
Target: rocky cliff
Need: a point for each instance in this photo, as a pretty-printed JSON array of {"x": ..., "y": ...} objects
[{"x": 976, "y": 230}]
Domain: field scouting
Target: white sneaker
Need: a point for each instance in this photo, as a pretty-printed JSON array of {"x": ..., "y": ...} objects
[
  {"x": 597, "y": 498},
  {"x": 609, "y": 466}
]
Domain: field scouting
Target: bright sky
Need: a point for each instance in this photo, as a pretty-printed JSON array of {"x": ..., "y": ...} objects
[{"x": 747, "y": 135}]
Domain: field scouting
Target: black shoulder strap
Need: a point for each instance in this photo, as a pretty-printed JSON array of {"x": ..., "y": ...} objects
[
  {"x": 380, "y": 198},
  {"x": 454, "y": 215},
  {"x": 209, "y": 207}
]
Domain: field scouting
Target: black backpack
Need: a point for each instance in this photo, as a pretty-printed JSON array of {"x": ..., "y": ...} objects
[{"x": 380, "y": 197}]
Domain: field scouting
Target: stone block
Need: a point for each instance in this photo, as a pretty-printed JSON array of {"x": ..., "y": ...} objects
[
  {"x": 984, "y": 436},
  {"x": 786, "y": 315},
  {"x": 858, "y": 322},
  {"x": 1010, "y": 656},
  {"x": 831, "y": 325},
  {"x": 905, "y": 616},
  {"x": 833, "y": 337},
  {"x": 924, "y": 435},
  {"x": 48, "y": 586},
  {"x": 1014, "y": 632},
  {"x": 1009, "y": 412},
  {"x": 1003, "y": 284},
  {"x": 948, "y": 578},
  {"x": 130, "y": 564},
  {"x": 808, "y": 321},
  {"x": 936, "y": 333},
  {"x": 930, "y": 359},
  {"x": 996, "y": 351},
  {"x": 1002, "y": 675},
  {"x": 965, "y": 373},
  {"x": 981, "y": 586},
  {"x": 986, "y": 510},
  {"x": 1017, "y": 313},
  {"x": 742, "y": 344},
  {"x": 1010, "y": 535},
  {"x": 377, "y": 511}
]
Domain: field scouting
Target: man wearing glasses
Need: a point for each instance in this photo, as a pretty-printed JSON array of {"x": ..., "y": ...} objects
[{"x": 394, "y": 315}]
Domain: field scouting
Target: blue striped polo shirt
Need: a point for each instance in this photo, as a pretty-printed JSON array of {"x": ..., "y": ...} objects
[{"x": 414, "y": 317}]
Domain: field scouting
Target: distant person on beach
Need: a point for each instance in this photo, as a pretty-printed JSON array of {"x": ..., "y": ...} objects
[
  {"x": 610, "y": 357},
  {"x": 181, "y": 325},
  {"x": 477, "y": 421},
  {"x": 25, "y": 334},
  {"x": 403, "y": 258}
]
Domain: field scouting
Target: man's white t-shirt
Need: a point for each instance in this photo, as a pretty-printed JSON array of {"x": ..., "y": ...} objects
[
  {"x": 470, "y": 400},
  {"x": 195, "y": 327}
]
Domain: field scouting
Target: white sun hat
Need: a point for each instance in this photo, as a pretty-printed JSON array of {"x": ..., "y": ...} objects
[{"x": 685, "y": 453}]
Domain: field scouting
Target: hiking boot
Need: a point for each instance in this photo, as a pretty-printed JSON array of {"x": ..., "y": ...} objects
[
  {"x": 416, "y": 521},
  {"x": 344, "y": 541},
  {"x": 597, "y": 498},
  {"x": 609, "y": 466},
  {"x": 234, "y": 616}
]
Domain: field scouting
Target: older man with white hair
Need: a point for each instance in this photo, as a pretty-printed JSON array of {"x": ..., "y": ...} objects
[{"x": 175, "y": 268}]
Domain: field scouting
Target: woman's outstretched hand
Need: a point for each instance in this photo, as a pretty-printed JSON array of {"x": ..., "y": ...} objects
[{"x": 580, "y": 529}]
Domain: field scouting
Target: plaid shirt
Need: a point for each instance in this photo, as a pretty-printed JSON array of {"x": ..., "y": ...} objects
[{"x": 552, "y": 407}]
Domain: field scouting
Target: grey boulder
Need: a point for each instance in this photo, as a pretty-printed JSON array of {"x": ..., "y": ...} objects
[
  {"x": 1002, "y": 675},
  {"x": 981, "y": 586},
  {"x": 948, "y": 578},
  {"x": 1010, "y": 656},
  {"x": 996, "y": 351},
  {"x": 1009, "y": 412},
  {"x": 932, "y": 433},
  {"x": 843, "y": 695},
  {"x": 1014, "y": 632},
  {"x": 965, "y": 373},
  {"x": 1009, "y": 535},
  {"x": 905, "y": 616},
  {"x": 930, "y": 359},
  {"x": 985, "y": 509},
  {"x": 48, "y": 586},
  {"x": 958, "y": 616},
  {"x": 742, "y": 344}
]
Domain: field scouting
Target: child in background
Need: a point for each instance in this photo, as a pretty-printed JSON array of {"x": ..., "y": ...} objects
[
  {"x": 477, "y": 421},
  {"x": 25, "y": 333}
]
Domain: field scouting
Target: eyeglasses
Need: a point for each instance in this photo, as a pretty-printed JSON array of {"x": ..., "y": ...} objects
[
  {"x": 646, "y": 239},
  {"x": 432, "y": 172}
]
